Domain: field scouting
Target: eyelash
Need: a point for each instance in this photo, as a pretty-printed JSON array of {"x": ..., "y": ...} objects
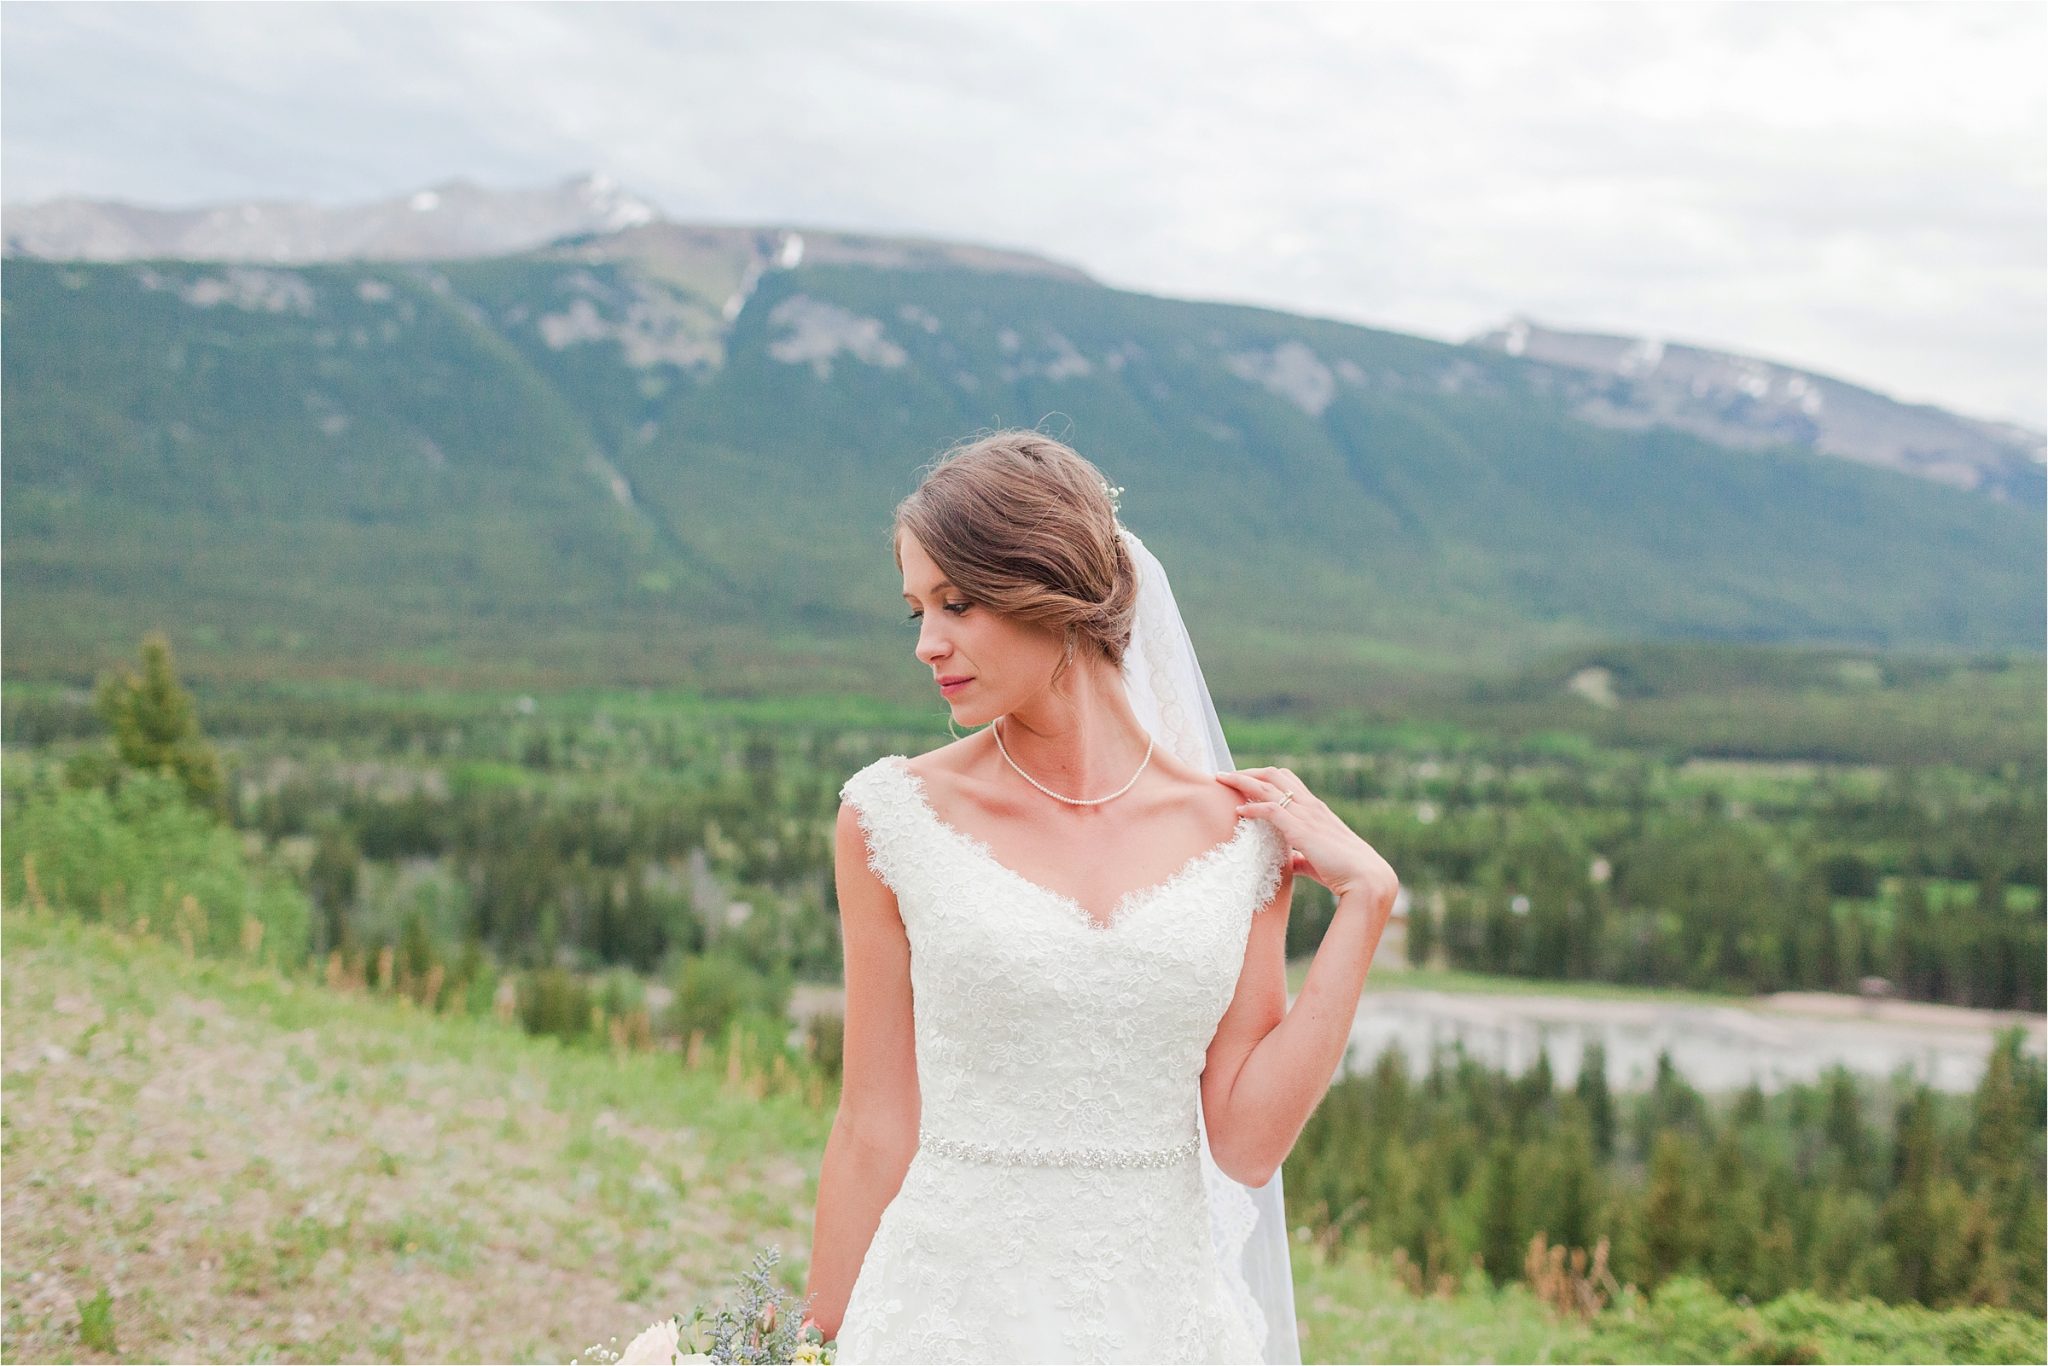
[{"x": 914, "y": 616}]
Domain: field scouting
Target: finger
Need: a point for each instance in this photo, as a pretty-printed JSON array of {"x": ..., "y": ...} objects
[
  {"x": 1273, "y": 811},
  {"x": 1281, "y": 778},
  {"x": 1286, "y": 780},
  {"x": 1266, "y": 795}
]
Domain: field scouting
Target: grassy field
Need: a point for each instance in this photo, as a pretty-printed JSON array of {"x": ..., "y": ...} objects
[
  {"x": 255, "y": 1169},
  {"x": 207, "y": 1162}
]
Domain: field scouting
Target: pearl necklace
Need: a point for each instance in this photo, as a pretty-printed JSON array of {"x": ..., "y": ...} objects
[{"x": 997, "y": 731}]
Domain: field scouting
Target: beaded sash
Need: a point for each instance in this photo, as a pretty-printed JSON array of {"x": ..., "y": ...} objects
[{"x": 1059, "y": 1157}]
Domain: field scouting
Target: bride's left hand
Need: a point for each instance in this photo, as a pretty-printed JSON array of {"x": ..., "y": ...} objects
[{"x": 1321, "y": 845}]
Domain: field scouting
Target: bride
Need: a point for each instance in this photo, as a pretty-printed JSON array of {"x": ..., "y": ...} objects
[{"x": 1071, "y": 1069}]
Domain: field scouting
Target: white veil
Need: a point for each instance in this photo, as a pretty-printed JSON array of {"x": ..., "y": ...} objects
[{"x": 1247, "y": 1224}]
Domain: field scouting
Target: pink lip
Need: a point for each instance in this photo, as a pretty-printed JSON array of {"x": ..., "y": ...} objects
[{"x": 948, "y": 689}]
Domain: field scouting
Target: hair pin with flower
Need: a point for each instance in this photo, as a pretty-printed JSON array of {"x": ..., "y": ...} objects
[{"x": 1115, "y": 493}]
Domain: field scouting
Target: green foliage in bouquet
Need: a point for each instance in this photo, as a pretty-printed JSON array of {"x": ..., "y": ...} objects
[{"x": 759, "y": 1327}]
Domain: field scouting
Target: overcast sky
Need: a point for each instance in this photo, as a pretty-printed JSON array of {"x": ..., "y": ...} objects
[{"x": 1855, "y": 188}]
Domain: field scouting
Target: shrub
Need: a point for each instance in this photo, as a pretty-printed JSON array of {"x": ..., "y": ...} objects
[
  {"x": 145, "y": 857},
  {"x": 555, "y": 1001},
  {"x": 714, "y": 989}
]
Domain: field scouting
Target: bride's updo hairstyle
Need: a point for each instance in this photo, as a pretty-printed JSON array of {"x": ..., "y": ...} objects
[{"x": 1022, "y": 524}]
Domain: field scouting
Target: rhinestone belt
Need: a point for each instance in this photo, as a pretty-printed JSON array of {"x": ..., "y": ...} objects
[{"x": 1060, "y": 1157}]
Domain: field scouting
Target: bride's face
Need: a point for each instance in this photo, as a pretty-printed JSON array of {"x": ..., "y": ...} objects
[{"x": 1007, "y": 662}]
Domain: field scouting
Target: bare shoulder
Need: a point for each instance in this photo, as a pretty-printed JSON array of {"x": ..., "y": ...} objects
[
  {"x": 949, "y": 760},
  {"x": 1199, "y": 790}
]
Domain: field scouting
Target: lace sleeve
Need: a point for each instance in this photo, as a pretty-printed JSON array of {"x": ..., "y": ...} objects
[
  {"x": 1272, "y": 865},
  {"x": 879, "y": 804}
]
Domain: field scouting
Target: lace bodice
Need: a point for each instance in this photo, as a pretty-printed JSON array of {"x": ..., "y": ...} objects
[{"x": 1038, "y": 1026}]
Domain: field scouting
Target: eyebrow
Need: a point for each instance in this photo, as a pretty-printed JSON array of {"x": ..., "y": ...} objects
[{"x": 935, "y": 588}]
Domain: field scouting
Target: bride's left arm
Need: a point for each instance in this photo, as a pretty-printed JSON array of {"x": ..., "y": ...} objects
[{"x": 1270, "y": 1064}]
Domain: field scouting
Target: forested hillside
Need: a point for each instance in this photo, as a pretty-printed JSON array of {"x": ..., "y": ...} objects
[{"x": 644, "y": 463}]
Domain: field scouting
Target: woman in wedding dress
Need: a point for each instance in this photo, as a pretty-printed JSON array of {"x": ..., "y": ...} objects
[{"x": 1071, "y": 1069}]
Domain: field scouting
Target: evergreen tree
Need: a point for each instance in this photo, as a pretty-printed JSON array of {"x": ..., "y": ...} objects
[
  {"x": 1421, "y": 932},
  {"x": 155, "y": 725},
  {"x": 1992, "y": 978},
  {"x": 1915, "y": 964},
  {"x": 1500, "y": 1225},
  {"x": 331, "y": 883},
  {"x": 1596, "y": 1098},
  {"x": 1670, "y": 1207},
  {"x": 1737, "y": 1214},
  {"x": 1847, "y": 1135},
  {"x": 1569, "y": 1205},
  {"x": 1828, "y": 968},
  {"x": 1925, "y": 1215}
]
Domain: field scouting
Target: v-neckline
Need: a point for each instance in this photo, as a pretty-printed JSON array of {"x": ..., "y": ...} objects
[{"x": 1121, "y": 911}]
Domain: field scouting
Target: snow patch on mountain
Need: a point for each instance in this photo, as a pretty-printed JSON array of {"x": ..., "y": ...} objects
[
  {"x": 817, "y": 332},
  {"x": 1290, "y": 370},
  {"x": 249, "y": 288},
  {"x": 652, "y": 324},
  {"x": 1640, "y": 358}
]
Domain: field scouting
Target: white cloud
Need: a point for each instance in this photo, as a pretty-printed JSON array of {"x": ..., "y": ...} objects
[{"x": 1854, "y": 187}]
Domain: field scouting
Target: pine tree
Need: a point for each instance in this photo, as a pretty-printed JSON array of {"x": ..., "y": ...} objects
[
  {"x": 1421, "y": 932},
  {"x": 1670, "y": 1207},
  {"x": 1828, "y": 974},
  {"x": 1499, "y": 1222},
  {"x": 1736, "y": 1218},
  {"x": 2005, "y": 1126},
  {"x": 1914, "y": 965},
  {"x": 1926, "y": 1213},
  {"x": 155, "y": 725},
  {"x": 1597, "y": 1099},
  {"x": 1991, "y": 979},
  {"x": 331, "y": 883},
  {"x": 1843, "y": 1124},
  {"x": 1569, "y": 1209}
]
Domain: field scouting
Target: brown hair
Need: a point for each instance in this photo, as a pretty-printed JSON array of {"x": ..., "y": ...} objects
[{"x": 1024, "y": 525}]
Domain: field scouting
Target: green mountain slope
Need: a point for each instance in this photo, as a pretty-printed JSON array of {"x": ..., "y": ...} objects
[{"x": 574, "y": 465}]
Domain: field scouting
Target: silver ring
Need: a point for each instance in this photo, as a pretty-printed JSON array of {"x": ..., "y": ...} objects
[{"x": 1286, "y": 798}]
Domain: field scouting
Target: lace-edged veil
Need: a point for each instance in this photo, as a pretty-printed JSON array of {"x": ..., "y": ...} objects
[{"x": 1247, "y": 1224}]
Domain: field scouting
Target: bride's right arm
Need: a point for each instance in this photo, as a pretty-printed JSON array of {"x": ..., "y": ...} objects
[{"x": 874, "y": 1134}]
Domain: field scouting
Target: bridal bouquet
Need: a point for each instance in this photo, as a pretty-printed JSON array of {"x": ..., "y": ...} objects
[{"x": 758, "y": 1329}]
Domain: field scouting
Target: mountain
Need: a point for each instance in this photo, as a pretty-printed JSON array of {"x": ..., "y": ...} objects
[
  {"x": 1618, "y": 381},
  {"x": 667, "y": 454},
  {"x": 1637, "y": 382},
  {"x": 456, "y": 218}
]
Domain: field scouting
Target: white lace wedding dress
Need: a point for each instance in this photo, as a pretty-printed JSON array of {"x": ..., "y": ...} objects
[{"x": 1056, "y": 1209}]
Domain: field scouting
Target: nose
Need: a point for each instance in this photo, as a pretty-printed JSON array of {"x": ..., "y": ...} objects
[{"x": 930, "y": 646}]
